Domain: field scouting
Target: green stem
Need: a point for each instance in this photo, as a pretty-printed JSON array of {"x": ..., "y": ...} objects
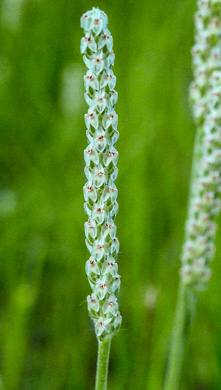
[
  {"x": 102, "y": 364},
  {"x": 186, "y": 301},
  {"x": 177, "y": 342}
]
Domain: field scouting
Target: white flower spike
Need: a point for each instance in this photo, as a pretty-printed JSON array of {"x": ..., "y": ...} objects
[
  {"x": 205, "y": 96},
  {"x": 100, "y": 192}
]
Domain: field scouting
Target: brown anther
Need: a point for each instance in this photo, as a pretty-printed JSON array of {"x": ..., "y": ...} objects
[
  {"x": 112, "y": 116},
  {"x": 99, "y": 210},
  {"x": 91, "y": 262},
  {"x": 100, "y": 174},
  {"x": 208, "y": 196},
  {"x": 98, "y": 60},
  {"x": 100, "y": 323},
  {"x": 189, "y": 248},
  {"x": 101, "y": 137},
  {"x": 91, "y": 115},
  {"x": 111, "y": 189},
  {"x": 96, "y": 21},
  {"x": 100, "y": 98},
  {"x": 89, "y": 188},
  {"x": 91, "y": 78},
  {"x": 111, "y": 304},
  {"x": 91, "y": 299},
  {"x": 100, "y": 247},
  {"x": 102, "y": 285}
]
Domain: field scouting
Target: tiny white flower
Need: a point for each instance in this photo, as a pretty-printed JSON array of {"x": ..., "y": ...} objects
[
  {"x": 111, "y": 192},
  {"x": 99, "y": 175},
  {"x": 87, "y": 209},
  {"x": 91, "y": 267},
  {"x": 117, "y": 320},
  {"x": 216, "y": 207},
  {"x": 115, "y": 284},
  {"x": 110, "y": 119},
  {"x": 201, "y": 76},
  {"x": 99, "y": 213},
  {"x": 100, "y": 288},
  {"x": 88, "y": 100},
  {"x": 90, "y": 228},
  {"x": 98, "y": 249},
  {"x": 95, "y": 62},
  {"x": 113, "y": 98},
  {"x": 111, "y": 156},
  {"x": 102, "y": 325},
  {"x": 115, "y": 245},
  {"x": 109, "y": 60},
  {"x": 90, "y": 154},
  {"x": 204, "y": 8},
  {"x": 91, "y": 81},
  {"x": 199, "y": 21},
  {"x": 93, "y": 303},
  {"x": 100, "y": 140},
  {"x": 105, "y": 40},
  {"x": 110, "y": 305},
  {"x": 114, "y": 210},
  {"x": 195, "y": 93},
  {"x": 88, "y": 42},
  {"x": 114, "y": 174},
  {"x": 214, "y": 26},
  {"x": 100, "y": 101},
  {"x": 109, "y": 228},
  {"x": 215, "y": 78},
  {"x": 115, "y": 137},
  {"x": 110, "y": 267},
  {"x": 108, "y": 78},
  {"x": 88, "y": 245},
  {"x": 90, "y": 192},
  {"x": 97, "y": 22},
  {"x": 91, "y": 119},
  {"x": 86, "y": 21}
]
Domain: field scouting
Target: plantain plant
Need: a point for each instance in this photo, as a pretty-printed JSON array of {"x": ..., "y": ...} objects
[
  {"x": 205, "y": 187},
  {"x": 100, "y": 191}
]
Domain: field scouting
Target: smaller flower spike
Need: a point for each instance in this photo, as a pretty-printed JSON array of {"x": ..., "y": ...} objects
[
  {"x": 100, "y": 192},
  {"x": 205, "y": 96}
]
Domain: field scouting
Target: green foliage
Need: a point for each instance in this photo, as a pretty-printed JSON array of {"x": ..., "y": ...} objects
[{"x": 46, "y": 337}]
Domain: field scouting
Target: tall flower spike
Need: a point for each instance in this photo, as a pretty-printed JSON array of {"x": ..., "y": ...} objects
[
  {"x": 101, "y": 157},
  {"x": 205, "y": 96}
]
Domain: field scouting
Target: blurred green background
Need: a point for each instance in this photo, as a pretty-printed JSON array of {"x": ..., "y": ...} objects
[{"x": 46, "y": 337}]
